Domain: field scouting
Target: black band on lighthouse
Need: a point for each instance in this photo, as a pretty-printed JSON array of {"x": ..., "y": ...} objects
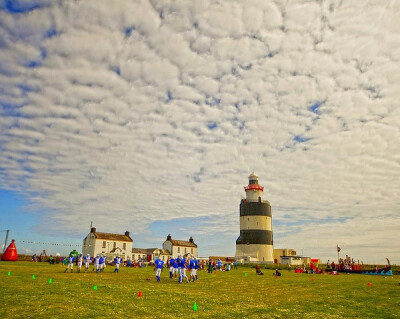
[
  {"x": 255, "y": 236},
  {"x": 255, "y": 208}
]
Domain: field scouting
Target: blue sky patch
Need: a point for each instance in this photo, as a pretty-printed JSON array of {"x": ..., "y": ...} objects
[
  {"x": 17, "y": 6},
  {"x": 52, "y": 32},
  {"x": 128, "y": 31},
  {"x": 169, "y": 96},
  {"x": 212, "y": 125},
  {"x": 314, "y": 108},
  {"x": 300, "y": 139},
  {"x": 116, "y": 69}
]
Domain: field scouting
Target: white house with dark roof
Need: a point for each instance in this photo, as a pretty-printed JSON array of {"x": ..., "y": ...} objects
[
  {"x": 180, "y": 247},
  {"x": 110, "y": 245},
  {"x": 150, "y": 254}
]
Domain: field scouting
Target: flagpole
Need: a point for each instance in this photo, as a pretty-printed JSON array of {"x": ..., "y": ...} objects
[{"x": 337, "y": 249}]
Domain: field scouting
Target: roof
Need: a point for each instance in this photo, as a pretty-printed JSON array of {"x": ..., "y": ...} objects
[
  {"x": 143, "y": 250},
  {"x": 184, "y": 243},
  {"x": 138, "y": 250},
  {"x": 164, "y": 252},
  {"x": 109, "y": 236},
  {"x": 253, "y": 176}
]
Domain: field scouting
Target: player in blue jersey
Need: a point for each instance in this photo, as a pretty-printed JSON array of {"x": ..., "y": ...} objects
[
  {"x": 71, "y": 260},
  {"x": 192, "y": 265},
  {"x": 178, "y": 262},
  {"x": 196, "y": 266},
  {"x": 158, "y": 265},
  {"x": 171, "y": 267},
  {"x": 219, "y": 264},
  {"x": 101, "y": 263},
  {"x": 117, "y": 262},
  {"x": 175, "y": 270}
]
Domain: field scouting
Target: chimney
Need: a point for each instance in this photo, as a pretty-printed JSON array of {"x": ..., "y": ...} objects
[
  {"x": 191, "y": 239},
  {"x": 93, "y": 229},
  {"x": 169, "y": 237},
  {"x": 126, "y": 233}
]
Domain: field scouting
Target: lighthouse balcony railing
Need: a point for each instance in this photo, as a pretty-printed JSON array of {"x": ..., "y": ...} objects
[{"x": 245, "y": 200}]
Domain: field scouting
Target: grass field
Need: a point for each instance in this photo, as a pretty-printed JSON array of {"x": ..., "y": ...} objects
[{"x": 224, "y": 295}]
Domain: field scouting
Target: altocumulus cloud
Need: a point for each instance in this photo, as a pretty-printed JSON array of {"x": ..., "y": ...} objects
[{"x": 131, "y": 113}]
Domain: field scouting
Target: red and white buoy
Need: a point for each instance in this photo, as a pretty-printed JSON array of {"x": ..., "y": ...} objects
[{"x": 11, "y": 253}]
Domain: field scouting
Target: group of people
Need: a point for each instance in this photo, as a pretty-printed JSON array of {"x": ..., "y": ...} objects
[
  {"x": 99, "y": 263},
  {"x": 213, "y": 265},
  {"x": 178, "y": 267}
]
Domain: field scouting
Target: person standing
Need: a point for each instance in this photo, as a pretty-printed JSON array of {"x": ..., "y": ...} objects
[
  {"x": 196, "y": 267},
  {"x": 101, "y": 263},
  {"x": 80, "y": 261},
  {"x": 171, "y": 267},
  {"x": 219, "y": 264},
  {"x": 178, "y": 261},
  {"x": 71, "y": 260},
  {"x": 87, "y": 262},
  {"x": 158, "y": 263},
  {"x": 209, "y": 269},
  {"x": 182, "y": 266},
  {"x": 117, "y": 262},
  {"x": 176, "y": 268},
  {"x": 192, "y": 265},
  {"x": 96, "y": 264}
]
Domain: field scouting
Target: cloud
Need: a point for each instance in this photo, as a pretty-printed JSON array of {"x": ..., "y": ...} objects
[{"x": 132, "y": 113}]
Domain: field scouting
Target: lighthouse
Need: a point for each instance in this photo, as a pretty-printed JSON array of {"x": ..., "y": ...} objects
[{"x": 255, "y": 242}]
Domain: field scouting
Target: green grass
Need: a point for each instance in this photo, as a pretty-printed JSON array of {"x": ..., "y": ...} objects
[{"x": 224, "y": 295}]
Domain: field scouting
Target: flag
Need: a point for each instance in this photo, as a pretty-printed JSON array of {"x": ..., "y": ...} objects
[{"x": 338, "y": 248}]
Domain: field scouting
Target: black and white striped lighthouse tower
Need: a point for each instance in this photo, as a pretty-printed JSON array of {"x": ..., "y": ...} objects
[{"x": 255, "y": 242}]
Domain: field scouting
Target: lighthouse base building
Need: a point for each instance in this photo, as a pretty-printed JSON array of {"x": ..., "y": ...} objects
[{"x": 255, "y": 242}]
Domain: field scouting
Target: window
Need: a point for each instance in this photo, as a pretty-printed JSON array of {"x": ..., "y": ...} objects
[
  {"x": 185, "y": 250},
  {"x": 179, "y": 249},
  {"x": 115, "y": 244},
  {"x": 104, "y": 244},
  {"x": 192, "y": 250},
  {"x": 124, "y": 246}
]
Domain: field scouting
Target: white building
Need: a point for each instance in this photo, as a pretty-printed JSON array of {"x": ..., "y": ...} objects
[
  {"x": 150, "y": 254},
  {"x": 110, "y": 245},
  {"x": 180, "y": 247},
  {"x": 295, "y": 260}
]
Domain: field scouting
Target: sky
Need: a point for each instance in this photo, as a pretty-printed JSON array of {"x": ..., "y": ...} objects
[{"x": 149, "y": 116}]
